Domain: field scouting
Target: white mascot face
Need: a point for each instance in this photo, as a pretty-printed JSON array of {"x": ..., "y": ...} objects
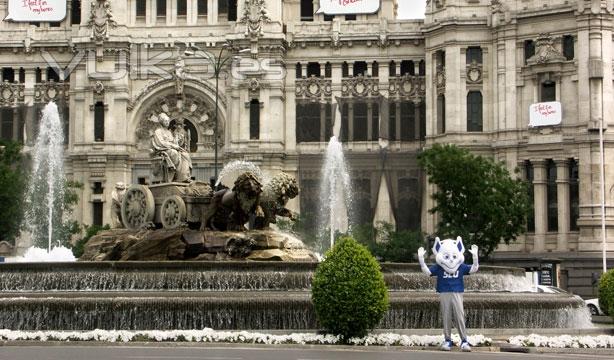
[{"x": 449, "y": 254}]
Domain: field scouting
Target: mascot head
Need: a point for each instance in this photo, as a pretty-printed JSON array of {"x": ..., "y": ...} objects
[{"x": 449, "y": 254}]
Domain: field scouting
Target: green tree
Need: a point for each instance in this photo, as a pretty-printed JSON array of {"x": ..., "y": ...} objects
[
  {"x": 12, "y": 189},
  {"x": 388, "y": 244},
  {"x": 64, "y": 226},
  {"x": 475, "y": 198}
]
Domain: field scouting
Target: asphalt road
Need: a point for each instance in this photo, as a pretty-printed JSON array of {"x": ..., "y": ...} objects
[{"x": 116, "y": 352}]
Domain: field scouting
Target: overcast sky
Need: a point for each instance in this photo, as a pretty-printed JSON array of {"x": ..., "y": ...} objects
[{"x": 411, "y": 9}]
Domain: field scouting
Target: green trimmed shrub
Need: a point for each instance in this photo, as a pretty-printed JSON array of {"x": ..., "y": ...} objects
[
  {"x": 606, "y": 292},
  {"x": 348, "y": 290}
]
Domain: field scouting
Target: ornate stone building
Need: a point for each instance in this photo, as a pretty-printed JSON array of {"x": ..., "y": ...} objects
[{"x": 466, "y": 74}]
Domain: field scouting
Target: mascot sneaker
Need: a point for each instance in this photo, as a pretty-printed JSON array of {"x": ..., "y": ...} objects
[
  {"x": 447, "y": 345},
  {"x": 465, "y": 346}
]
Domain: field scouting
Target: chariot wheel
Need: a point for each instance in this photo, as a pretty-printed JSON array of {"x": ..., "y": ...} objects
[
  {"x": 138, "y": 207},
  {"x": 172, "y": 212}
]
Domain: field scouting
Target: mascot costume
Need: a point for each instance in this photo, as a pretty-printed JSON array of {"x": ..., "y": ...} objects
[{"x": 450, "y": 269}]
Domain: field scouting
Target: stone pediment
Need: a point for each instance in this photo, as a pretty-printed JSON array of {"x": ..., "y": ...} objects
[{"x": 545, "y": 52}]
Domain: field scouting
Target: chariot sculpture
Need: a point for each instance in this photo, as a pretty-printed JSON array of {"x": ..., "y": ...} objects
[{"x": 175, "y": 200}]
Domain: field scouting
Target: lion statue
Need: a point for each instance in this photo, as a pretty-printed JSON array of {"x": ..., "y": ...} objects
[
  {"x": 275, "y": 196},
  {"x": 231, "y": 209}
]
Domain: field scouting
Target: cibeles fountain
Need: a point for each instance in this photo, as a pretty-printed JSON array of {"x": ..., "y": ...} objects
[{"x": 186, "y": 256}]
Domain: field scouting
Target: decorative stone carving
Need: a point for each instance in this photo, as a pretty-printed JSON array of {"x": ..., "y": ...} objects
[
  {"x": 313, "y": 88},
  {"x": 383, "y": 41},
  {"x": 440, "y": 80},
  {"x": 254, "y": 17},
  {"x": 175, "y": 160},
  {"x": 11, "y": 94},
  {"x": 545, "y": 51},
  {"x": 180, "y": 75},
  {"x": 474, "y": 73},
  {"x": 117, "y": 196},
  {"x": 335, "y": 40},
  {"x": 101, "y": 19},
  {"x": 360, "y": 86},
  {"x": 407, "y": 87},
  {"x": 98, "y": 88},
  {"x": 189, "y": 108},
  {"x": 51, "y": 91},
  {"x": 440, "y": 3}
]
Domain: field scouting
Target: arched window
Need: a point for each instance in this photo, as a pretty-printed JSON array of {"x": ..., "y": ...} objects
[
  {"x": 474, "y": 111},
  {"x": 375, "y": 69},
  {"x": 392, "y": 69}
]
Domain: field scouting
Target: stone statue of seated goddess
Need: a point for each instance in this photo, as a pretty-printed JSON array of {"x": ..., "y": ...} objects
[{"x": 176, "y": 159}]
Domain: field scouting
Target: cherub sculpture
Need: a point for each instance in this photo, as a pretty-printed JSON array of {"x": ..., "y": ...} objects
[{"x": 450, "y": 269}]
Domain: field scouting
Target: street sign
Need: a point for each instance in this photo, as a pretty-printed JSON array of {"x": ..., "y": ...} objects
[
  {"x": 36, "y": 10},
  {"x": 340, "y": 7},
  {"x": 545, "y": 114}
]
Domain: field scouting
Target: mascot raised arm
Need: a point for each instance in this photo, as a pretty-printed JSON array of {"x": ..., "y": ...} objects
[{"x": 450, "y": 269}]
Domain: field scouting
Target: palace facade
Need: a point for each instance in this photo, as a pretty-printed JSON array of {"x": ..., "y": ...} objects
[{"x": 466, "y": 74}]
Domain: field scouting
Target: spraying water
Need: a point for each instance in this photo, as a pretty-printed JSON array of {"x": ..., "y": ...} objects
[
  {"x": 235, "y": 168},
  {"x": 46, "y": 184},
  {"x": 335, "y": 190}
]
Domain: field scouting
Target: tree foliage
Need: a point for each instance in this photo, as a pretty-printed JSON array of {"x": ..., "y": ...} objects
[
  {"x": 388, "y": 244},
  {"x": 475, "y": 198},
  {"x": 12, "y": 189},
  {"x": 348, "y": 291},
  {"x": 606, "y": 292}
]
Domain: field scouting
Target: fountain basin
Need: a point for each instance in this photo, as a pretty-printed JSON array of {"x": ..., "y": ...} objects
[{"x": 249, "y": 295}]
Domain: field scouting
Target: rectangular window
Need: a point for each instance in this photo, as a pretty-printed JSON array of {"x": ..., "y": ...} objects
[
  {"x": 7, "y": 123},
  {"x": 222, "y": 6},
  {"x": 574, "y": 195},
  {"x": 568, "y": 47},
  {"x": 99, "y": 121},
  {"x": 392, "y": 121},
  {"x": 328, "y": 132},
  {"x": 182, "y": 7},
  {"x": 548, "y": 91},
  {"x": 350, "y": 17},
  {"x": 360, "y": 68},
  {"x": 440, "y": 58},
  {"x": 98, "y": 189},
  {"x": 308, "y": 122},
  {"x": 374, "y": 121},
  {"x": 232, "y": 10},
  {"x": 422, "y": 121},
  {"x": 75, "y": 12},
  {"x": 553, "y": 213},
  {"x": 53, "y": 74},
  {"x": 441, "y": 114},
  {"x": 360, "y": 121},
  {"x": 313, "y": 69},
  {"x": 254, "y": 119},
  {"x": 375, "y": 69},
  {"x": 474, "y": 111},
  {"x": 328, "y": 17},
  {"x": 97, "y": 213},
  {"x": 202, "y": 7},
  {"x": 474, "y": 54},
  {"x": 8, "y": 74},
  {"x": 38, "y": 75},
  {"x": 141, "y": 8},
  {"x": 307, "y": 10},
  {"x": 299, "y": 70},
  {"x": 529, "y": 50},
  {"x": 530, "y": 177},
  {"x": 161, "y": 8},
  {"x": 22, "y": 75},
  {"x": 345, "y": 112},
  {"x": 407, "y": 67},
  {"x": 408, "y": 118}
]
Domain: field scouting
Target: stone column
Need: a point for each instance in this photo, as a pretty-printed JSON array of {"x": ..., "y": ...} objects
[
  {"x": 212, "y": 12},
  {"x": 540, "y": 184},
  {"x": 562, "y": 191},
  {"x": 337, "y": 77}
]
